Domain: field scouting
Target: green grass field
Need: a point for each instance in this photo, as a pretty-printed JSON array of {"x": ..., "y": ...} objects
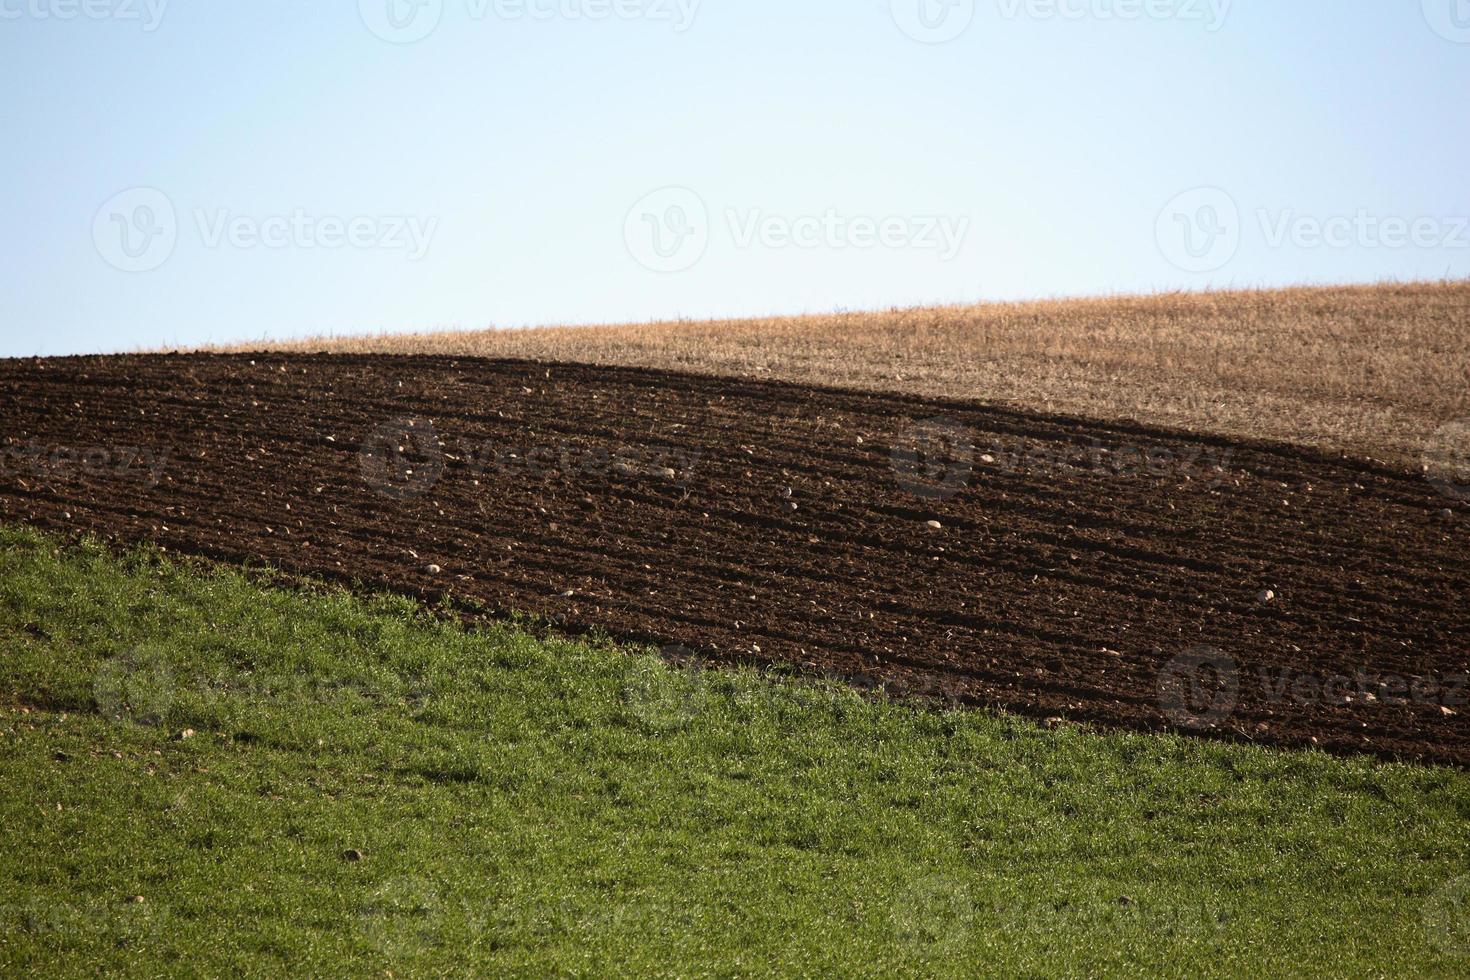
[{"x": 205, "y": 774}]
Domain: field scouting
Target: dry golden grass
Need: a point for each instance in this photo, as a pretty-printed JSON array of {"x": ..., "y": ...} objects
[{"x": 1371, "y": 370}]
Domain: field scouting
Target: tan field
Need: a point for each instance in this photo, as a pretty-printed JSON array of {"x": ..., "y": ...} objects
[{"x": 1378, "y": 371}]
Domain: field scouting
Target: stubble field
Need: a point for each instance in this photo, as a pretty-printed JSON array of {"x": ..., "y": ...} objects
[{"x": 1376, "y": 371}]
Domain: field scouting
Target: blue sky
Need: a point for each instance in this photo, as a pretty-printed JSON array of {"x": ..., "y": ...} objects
[{"x": 182, "y": 172}]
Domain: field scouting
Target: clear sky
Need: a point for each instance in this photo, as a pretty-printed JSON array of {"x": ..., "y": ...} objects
[{"x": 181, "y": 171}]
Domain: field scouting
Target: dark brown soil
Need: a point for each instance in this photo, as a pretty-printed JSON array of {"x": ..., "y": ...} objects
[{"x": 1106, "y": 573}]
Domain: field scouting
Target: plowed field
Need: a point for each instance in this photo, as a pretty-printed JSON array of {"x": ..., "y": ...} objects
[{"x": 1050, "y": 566}]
